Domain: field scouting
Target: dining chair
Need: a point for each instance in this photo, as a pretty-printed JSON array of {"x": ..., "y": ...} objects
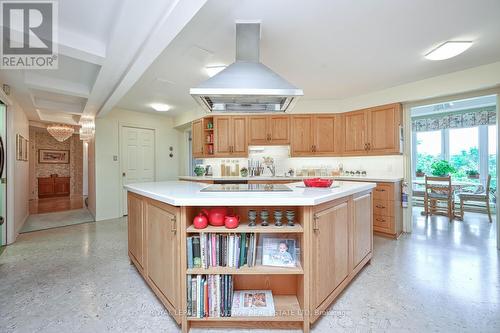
[
  {"x": 439, "y": 189},
  {"x": 477, "y": 197}
]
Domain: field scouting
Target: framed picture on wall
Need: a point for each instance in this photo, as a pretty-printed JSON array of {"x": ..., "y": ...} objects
[
  {"x": 26, "y": 148},
  {"x": 21, "y": 148},
  {"x": 52, "y": 156}
]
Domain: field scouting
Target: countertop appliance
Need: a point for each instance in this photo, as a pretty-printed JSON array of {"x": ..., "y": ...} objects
[{"x": 246, "y": 85}]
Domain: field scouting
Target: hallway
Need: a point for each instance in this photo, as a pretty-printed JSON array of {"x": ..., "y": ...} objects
[{"x": 78, "y": 279}]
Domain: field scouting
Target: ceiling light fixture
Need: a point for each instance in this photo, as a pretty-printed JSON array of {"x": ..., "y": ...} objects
[
  {"x": 60, "y": 132},
  {"x": 214, "y": 70},
  {"x": 448, "y": 50},
  {"x": 87, "y": 130},
  {"x": 160, "y": 107}
]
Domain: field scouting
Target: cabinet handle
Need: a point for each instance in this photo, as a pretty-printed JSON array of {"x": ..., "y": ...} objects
[
  {"x": 380, "y": 220},
  {"x": 174, "y": 225},
  {"x": 378, "y": 206},
  {"x": 369, "y": 146},
  {"x": 379, "y": 190},
  {"x": 315, "y": 224}
]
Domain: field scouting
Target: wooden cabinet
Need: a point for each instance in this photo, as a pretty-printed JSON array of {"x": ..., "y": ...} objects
[
  {"x": 316, "y": 135},
  {"x": 355, "y": 132},
  {"x": 302, "y": 135},
  {"x": 136, "y": 228},
  {"x": 53, "y": 186},
  {"x": 387, "y": 210},
  {"x": 384, "y": 126},
  {"x": 362, "y": 228},
  {"x": 330, "y": 245},
  {"x": 373, "y": 131},
  {"x": 268, "y": 130},
  {"x": 162, "y": 248},
  {"x": 153, "y": 246},
  {"x": 197, "y": 137},
  {"x": 230, "y": 136}
]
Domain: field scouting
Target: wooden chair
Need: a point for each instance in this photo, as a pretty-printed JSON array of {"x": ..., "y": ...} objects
[
  {"x": 439, "y": 189},
  {"x": 477, "y": 197}
]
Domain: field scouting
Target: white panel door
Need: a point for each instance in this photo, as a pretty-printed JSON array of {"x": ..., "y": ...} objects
[{"x": 137, "y": 157}]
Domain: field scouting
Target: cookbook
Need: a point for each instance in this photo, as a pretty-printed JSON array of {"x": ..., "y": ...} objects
[{"x": 251, "y": 303}]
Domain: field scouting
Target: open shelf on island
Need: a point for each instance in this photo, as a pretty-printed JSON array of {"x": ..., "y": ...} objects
[
  {"x": 254, "y": 270},
  {"x": 287, "y": 308},
  {"x": 243, "y": 227}
]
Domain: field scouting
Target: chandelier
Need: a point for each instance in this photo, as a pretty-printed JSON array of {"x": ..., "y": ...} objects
[
  {"x": 87, "y": 129},
  {"x": 60, "y": 132}
]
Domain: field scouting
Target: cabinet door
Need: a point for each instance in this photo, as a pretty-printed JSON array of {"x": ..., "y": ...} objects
[
  {"x": 239, "y": 146},
  {"x": 197, "y": 137},
  {"x": 279, "y": 130},
  {"x": 383, "y": 129},
  {"x": 162, "y": 251},
  {"x": 136, "y": 228},
  {"x": 222, "y": 136},
  {"x": 355, "y": 133},
  {"x": 327, "y": 135},
  {"x": 330, "y": 250},
  {"x": 362, "y": 228},
  {"x": 258, "y": 132},
  {"x": 302, "y": 138}
]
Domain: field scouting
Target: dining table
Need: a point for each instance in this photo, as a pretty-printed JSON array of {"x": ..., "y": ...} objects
[{"x": 457, "y": 185}]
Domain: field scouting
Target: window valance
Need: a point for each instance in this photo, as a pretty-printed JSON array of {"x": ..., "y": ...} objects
[{"x": 467, "y": 118}]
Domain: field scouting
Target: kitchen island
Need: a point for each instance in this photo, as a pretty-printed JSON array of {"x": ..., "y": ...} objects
[{"x": 333, "y": 229}]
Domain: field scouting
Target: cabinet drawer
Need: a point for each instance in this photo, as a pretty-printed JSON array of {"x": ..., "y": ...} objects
[
  {"x": 383, "y": 192},
  {"x": 383, "y": 208},
  {"x": 382, "y": 222}
]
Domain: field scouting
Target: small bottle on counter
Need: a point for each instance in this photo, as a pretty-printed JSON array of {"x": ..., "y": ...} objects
[
  {"x": 222, "y": 168},
  {"x": 237, "y": 169}
]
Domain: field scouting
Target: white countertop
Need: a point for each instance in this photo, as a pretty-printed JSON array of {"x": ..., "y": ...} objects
[
  {"x": 179, "y": 193},
  {"x": 381, "y": 179}
]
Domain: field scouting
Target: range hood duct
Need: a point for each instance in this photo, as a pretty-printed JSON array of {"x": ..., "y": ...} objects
[{"x": 246, "y": 85}]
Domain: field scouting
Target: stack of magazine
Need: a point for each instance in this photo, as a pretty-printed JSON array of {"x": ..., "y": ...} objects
[
  {"x": 251, "y": 303},
  {"x": 221, "y": 250},
  {"x": 209, "y": 295}
]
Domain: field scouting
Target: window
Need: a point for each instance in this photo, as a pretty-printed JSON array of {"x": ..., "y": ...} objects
[
  {"x": 464, "y": 151},
  {"x": 492, "y": 154},
  {"x": 428, "y": 148}
]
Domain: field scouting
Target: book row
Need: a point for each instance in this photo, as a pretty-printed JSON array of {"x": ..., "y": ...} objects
[{"x": 221, "y": 250}]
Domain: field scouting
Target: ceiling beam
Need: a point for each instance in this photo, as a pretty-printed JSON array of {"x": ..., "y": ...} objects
[
  {"x": 59, "y": 86},
  {"x": 168, "y": 26}
]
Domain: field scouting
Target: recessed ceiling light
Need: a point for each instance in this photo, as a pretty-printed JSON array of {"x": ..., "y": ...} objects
[
  {"x": 213, "y": 70},
  {"x": 448, "y": 50},
  {"x": 160, "y": 107}
]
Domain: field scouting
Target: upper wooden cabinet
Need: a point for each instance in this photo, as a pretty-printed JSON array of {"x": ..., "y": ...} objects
[
  {"x": 373, "y": 131},
  {"x": 197, "y": 138},
  {"x": 316, "y": 135},
  {"x": 268, "y": 130},
  {"x": 230, "y": 136}
]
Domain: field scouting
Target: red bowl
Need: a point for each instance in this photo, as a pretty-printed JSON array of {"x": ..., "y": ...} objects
[{"x": 318, "y": 182}]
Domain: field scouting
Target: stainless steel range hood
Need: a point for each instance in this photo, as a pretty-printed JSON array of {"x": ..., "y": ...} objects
[{"x": 246, "y": 85}]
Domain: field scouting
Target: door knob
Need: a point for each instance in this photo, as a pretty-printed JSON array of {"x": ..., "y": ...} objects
[{"x": 123, "y": 174}]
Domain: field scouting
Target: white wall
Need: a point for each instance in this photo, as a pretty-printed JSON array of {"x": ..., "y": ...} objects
[
  {"x": 108, "y": 178},
  {"x": 17, "y": 172}
]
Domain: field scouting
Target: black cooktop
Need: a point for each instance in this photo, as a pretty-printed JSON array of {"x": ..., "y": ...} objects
[{"x": 247, "y": 188}]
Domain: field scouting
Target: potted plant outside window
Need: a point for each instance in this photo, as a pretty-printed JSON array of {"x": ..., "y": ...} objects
[
  {"x": 419, "y": 172},
  {"x": 472, "y": 174},
  {"x": 441, "y": 168}
]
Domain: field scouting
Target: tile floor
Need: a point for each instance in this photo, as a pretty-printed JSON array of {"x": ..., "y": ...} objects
[
  {"x": 443, "y": 277},
  {"x": 44, "y": 221}
]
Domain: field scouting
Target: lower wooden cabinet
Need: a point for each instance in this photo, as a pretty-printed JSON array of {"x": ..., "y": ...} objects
[
  {"x": 154, "y": 247},
  {"x": 330, "y": 245},
  {"x": 387, "y": 210},
  {"x": 362, "y": 230},
  {"x": 342, "y": 243},
  {"x": 136, "y": 228},
  {"x": 53, "y": 186}
]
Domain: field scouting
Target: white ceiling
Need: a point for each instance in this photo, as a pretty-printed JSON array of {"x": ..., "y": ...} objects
[
  {"x": 100, "y": 42},
  {"x": 332, "y": 49}
]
